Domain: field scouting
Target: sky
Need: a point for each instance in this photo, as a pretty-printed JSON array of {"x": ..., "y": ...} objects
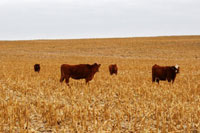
[{"x": 71, "y": 19}]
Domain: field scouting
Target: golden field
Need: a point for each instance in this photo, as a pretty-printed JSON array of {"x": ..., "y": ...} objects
[{"x": 127, "y": 102}]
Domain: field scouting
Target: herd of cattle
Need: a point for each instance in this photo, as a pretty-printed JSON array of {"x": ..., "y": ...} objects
[{"x": 87, "y": 72}]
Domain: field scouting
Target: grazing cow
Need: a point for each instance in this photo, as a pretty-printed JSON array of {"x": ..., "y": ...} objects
[
  {"x": 164, "y": 73},
  {"x": 37, "y": 68},
  {"x": 113, "y": 69},
  {"x": 81, "y": 71}
]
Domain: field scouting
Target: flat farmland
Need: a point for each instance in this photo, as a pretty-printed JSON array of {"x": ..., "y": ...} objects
[{"x": 127, "y": 102}]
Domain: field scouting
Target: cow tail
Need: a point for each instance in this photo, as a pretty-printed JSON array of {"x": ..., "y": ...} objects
[
  {"x": 153, "y": 76},
  {"x": 62, "y": 74}
]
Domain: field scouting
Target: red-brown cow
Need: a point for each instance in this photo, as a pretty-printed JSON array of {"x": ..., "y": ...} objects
[
  {"x": 113, "y": 69},
  {"x": 164, "y": 73},
  {"x": 81, "y": 71}
]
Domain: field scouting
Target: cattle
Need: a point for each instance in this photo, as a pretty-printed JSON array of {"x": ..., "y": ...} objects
[
  {"x": 81, "y": 71},
  {"x": 164, "y": 73},
  {"x": 37, "y": 68},
  {"x": 113, "y": 69}
]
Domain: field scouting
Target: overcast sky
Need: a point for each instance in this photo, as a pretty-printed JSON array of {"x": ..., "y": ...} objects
[{"x": 63, "y": 19}]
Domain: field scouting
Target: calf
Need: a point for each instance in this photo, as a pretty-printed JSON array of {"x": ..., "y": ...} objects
[{"x": 113, "y": 69}]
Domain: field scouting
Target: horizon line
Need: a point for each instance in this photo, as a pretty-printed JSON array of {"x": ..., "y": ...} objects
[{"x": 43, "y": 39}]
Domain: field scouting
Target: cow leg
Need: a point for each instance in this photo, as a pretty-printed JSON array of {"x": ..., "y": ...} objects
[
  {"x": 153, "y": 79},
  {"x": 67, "y": 80},
  {"x": 169, "y": 79},
  {"x": 172, "y": 81},
  {"x": 88, "y": 79},
  {"x": 157, "y": 80},
  {"x": 62, "y": 76},
  {"x": 62, "y": 79}
]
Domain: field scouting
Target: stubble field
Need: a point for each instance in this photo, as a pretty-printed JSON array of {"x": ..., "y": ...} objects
[{"x": 127, "y": 102}]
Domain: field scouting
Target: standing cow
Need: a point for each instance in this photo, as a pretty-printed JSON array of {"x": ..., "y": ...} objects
[
  {"x": 164, "y": 73},
  {"x": 81, "y": 71},
  {"x": 37, "y": 68},
  {"x": 113, "y": 69}
]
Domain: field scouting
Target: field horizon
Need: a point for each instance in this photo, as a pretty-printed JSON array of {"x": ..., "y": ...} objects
[
  {"x": 92, "y": 38},
  {"x": 127, "y": 102}
]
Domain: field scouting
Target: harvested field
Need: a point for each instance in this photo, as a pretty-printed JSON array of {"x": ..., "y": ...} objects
[{"x": 127, "y": 102}]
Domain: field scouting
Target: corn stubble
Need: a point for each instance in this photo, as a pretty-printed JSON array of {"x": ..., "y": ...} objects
[{"x": 127, "y": 102}]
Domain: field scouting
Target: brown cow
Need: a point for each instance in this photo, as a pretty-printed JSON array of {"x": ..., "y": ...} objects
[
  {"x": 113, "y": 69},
  {"x": 164, "y": 73},
  {"x": 81, "y": 71},
  {"x": 37, "y": 68}
]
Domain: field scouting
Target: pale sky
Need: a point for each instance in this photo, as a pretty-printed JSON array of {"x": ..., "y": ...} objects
[{"x": 65, "y": 19}]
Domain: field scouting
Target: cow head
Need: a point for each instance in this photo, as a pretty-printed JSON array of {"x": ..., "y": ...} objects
[
  {"x": 95, "y": 67},
  {"x": 176, "y": 68}
]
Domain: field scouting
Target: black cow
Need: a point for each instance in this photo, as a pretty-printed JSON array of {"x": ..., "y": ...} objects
[{"x": 37, "y": 68}]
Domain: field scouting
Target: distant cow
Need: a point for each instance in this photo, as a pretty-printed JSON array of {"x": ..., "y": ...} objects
[
  {"x": 113, "y": 69},
  {"x": 37, "y": 68},
  {"x": 164, "y": 73},
  {"x": 81, "y": 71}
]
